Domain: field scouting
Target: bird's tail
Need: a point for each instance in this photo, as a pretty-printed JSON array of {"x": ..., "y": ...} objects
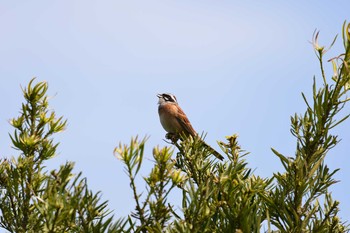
[
  {"x": 209, "y": 148},
  {"x": 213, "y": 152}
]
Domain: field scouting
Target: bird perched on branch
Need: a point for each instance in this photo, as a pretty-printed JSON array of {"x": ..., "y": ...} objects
[{"x": 175, "y": 121}]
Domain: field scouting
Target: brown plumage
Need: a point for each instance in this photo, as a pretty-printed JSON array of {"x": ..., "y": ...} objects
[{"x": 175, "y": 121}]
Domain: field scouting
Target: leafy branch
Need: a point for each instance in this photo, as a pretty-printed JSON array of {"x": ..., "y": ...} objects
[
  {"x": 34, "y": 200},
  {"x": 294, "y": 205}
]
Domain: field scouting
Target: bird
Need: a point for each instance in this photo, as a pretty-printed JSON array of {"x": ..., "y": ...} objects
[{"x": 175, "y": 122}]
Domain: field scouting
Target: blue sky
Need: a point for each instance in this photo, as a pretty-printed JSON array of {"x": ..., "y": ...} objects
[{"x": 235, "y": 67}]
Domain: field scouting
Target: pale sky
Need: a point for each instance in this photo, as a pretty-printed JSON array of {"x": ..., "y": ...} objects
[{"x": 234, "y": 66}]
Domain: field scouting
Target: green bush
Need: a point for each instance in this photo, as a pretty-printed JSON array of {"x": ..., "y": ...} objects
[{"x": 217, "y": 196}]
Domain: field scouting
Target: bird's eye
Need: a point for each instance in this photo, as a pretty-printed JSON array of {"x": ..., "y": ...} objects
[{"x": 169, "y": 98}]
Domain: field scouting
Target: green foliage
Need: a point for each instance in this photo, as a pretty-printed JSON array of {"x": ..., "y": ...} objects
[
  {"x": 34, "y": 200},
  {"x": 155, "y": 212},
  {"x": 294, "y": 203},
  {"x": 216, "y": 195}
]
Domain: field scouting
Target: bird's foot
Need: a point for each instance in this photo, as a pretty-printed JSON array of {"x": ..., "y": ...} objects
[{"x": 172, "y": 136}]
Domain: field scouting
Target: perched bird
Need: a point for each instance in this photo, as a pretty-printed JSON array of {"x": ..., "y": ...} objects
[{"x": 175, "y": 121}]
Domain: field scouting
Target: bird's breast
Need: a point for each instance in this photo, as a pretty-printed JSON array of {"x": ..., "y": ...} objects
[{"x": 167, "y": 116}]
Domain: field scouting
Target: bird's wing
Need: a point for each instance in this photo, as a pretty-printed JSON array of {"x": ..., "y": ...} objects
[
  {"x": 185, "y": 123},
  {"x": 188, "y": 129}
]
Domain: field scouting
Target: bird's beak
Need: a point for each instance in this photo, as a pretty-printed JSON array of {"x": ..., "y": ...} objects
[{"x": 159, "y": 95}]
